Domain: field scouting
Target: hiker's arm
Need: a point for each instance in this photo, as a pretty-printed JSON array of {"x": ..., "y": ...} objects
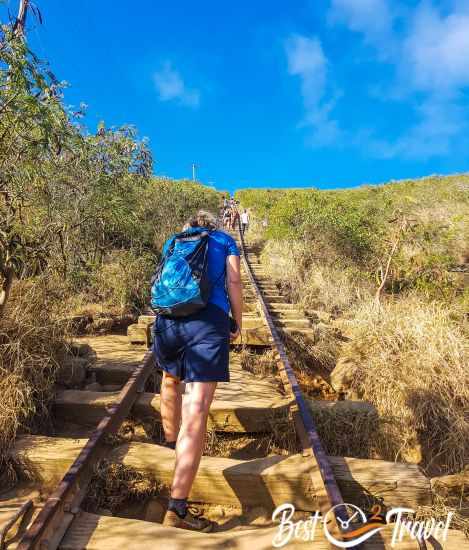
[{"x": 234, "y": 287}]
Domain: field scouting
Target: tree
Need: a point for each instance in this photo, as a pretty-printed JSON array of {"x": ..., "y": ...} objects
[
  {"x": 33, "y": 125},
  {"x": 65, "y": 195}
]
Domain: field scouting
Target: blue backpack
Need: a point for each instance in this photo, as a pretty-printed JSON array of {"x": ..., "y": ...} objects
[{"x": 180, "y": 285}]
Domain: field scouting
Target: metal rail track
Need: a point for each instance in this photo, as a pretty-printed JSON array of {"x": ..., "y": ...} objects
[
  {"x": 324, "y": 484},
  {"x": 48, "y": 528}
]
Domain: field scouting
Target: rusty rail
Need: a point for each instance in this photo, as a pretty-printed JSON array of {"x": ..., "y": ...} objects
[
  {"x": 324, "y": 484},
  {"x": 47, "y": 530}
]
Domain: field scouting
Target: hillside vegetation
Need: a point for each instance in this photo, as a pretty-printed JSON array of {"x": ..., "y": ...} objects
[
  {"x": 384, "y": 266},
  {"x": 82, "y": 221}
]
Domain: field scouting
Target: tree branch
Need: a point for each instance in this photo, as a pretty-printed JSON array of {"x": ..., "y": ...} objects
[{"x": 20, "y": 23}]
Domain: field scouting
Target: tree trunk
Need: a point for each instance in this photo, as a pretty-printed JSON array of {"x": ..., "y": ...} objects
[
  {"x": 384, "y": 275},
  {"x": 20, "y": 22}
]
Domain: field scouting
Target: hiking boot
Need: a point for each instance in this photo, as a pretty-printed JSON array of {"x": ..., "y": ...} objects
[{"x": 192, "y": 521}]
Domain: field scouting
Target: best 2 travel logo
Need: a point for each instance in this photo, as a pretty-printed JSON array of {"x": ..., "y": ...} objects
[{"x": 402, "y": 526}]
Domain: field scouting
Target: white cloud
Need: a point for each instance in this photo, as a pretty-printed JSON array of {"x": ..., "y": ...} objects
[
  {"x": 171, "y": 87},
  {"x": 436, "y": 51},
  {"x": 307, "y": 61},
  {"x": 373, "y": 18},
  {"x": 440, "y": 122},
  {"x": 429, "y": 51},
  {"x": 434, "y": 64}
]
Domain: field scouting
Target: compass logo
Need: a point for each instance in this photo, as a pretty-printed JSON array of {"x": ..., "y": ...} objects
[{"x": 352, "y": 537}]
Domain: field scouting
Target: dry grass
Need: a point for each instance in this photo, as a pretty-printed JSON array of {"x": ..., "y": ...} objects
[
  {"x": 261, "y": 364},
  {"x": 313, "y": 359},
  {"x": 31, "y": 344},
  {"x": 410, "y": 360},
  {"x": 312, "y": 279},
  {"x": 231, "y": 445},
  {"x": 281, "y": 439},
  {"x": 113, "y": 485},
  {"x": 347, "y": 433}
]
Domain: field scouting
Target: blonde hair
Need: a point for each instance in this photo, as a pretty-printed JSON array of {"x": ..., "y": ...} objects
[{"x": 201, "y": 219}]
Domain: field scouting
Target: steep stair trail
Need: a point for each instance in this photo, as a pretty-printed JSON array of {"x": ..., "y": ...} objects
[{"x": 239, "y": 486}]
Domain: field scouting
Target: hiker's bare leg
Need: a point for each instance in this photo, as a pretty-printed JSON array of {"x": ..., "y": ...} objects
[
  {"x": 171, "y": 402},
  {"x": 191, "y": 439}
]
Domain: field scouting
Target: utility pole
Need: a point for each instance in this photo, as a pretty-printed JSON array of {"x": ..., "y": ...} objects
[
  {"x": 20, "y": 23},
  {"x": 194, "y": 166}
]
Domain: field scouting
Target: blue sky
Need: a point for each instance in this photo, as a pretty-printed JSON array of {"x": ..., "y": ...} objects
[{"x": 272, "y": 93}]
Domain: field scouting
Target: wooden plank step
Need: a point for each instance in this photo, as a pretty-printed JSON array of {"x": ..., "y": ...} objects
[
  {"x": 87, "y": 408},
  {"x": 260, "y": 337},
  {"x": 273, "y": 292},
  {"x": 254, "y": 323},
  {"x": 93, "y": 532},
  {"x": 275, "y": 480},
  {"x": 287, "y": 314},
  {"x": 284, "y": 307},
  {"x": 306, "y": 331},
  {"x": 44, "y": 459},
  {"x": 265, "y": 288},
  {"x": 274, "y": 300},
  {"x": 252, "y": 415},
  {"x": 257, "y": 335},
  {"x": 292, "y": 323},
  {"x": 139, "y": 334},
  {"x": 117, "y": 374}
]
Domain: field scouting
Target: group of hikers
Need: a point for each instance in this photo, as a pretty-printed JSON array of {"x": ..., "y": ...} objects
[
  {"x": 231, "y": 217},
  {"x": 197, "y": 296}
]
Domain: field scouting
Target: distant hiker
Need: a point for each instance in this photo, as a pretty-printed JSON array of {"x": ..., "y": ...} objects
[
  {"x": 227, "y": 218},
  {"x": 234, "y": 218},
  {"x": 244, "y": 221},
  {"x": 196, "y": 285}
]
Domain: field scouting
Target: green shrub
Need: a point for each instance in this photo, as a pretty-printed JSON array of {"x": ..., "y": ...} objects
[
  {"x": 124, "y": 281},
  {"x": 429, "y": 219}
]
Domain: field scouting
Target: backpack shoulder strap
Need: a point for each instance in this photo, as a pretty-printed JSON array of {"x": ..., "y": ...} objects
[{"x": 170, "y": 248}]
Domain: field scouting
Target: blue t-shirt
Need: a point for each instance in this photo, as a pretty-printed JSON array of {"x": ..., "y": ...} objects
[{"x": 220, "y": 246}]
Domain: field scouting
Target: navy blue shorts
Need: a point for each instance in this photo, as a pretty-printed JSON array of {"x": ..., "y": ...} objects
[{"x": 194, "y": 348}]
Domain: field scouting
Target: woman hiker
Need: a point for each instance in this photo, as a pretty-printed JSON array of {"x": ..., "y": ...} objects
[
  {"x": 195, "y": 350},
  {"x": 234, "y": 218}
]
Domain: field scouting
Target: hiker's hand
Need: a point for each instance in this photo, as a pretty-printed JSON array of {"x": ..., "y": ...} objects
[{"x": 234, "y": 335}]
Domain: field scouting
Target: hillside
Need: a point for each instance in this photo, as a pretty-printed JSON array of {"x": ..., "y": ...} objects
[{"x": 386, "y": 267}]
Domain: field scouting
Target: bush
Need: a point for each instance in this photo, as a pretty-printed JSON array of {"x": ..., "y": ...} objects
[
  {"x": 123, "y": 282},
  {"x": 31, "y": 345},
  {"x": 357, "y": 228}
]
